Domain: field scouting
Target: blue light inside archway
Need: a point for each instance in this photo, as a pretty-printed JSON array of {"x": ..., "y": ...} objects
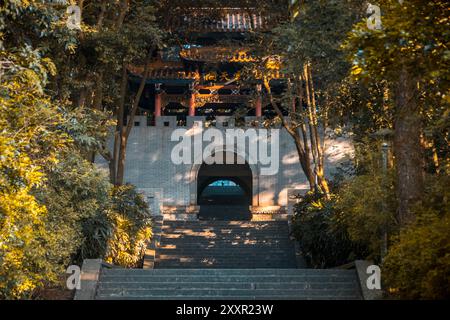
[{"x": 223, "y": 183}]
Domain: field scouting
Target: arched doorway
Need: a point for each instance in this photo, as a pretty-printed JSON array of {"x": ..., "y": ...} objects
[{"x": 224, "y": 191}]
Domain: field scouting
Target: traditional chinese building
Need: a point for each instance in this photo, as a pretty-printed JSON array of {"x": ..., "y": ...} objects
[
  {"x": 204, "y": 75},
  {"x": 204, "y": 81}
]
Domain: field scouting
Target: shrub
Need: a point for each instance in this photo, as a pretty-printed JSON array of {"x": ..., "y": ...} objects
[
  {"x": 418, "y": 263},
  {"x": 22, "y": 264},
  {"x": 131, "y": 221},
  {"x": 77, "y": 196},
  {"x": 74, "y": 214},
  {"x": 323, "y": 240},
  {"x": 365, "y": 207},
  {"x": 92, "y": 219}
]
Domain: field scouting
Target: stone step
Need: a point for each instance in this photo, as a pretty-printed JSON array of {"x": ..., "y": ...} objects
[
  {"x": 244, "y": 240},
  {"x": 231, "y": 258},
  {"x": 207, "y": 224},
  {"x": 232, "y": 236},
  {"x": 221, "y": 255},
  {"x": 179, "y": 266},
  {"x": 225, "y": 244},
  {"x": 142, "y": 285},
  {"x": 275, "y": 243},
  {"x": 254, "y": 228},
  {"x": 188, "y": 231},
  {"x": 225, "y": 249},
  {"x": 268, "y": 297},
  {"x": 216, "y": 222},
  {"x": 203, "y": 263},
  {"x": 266, "y": 243},
  {"x": 231, "y": 246},
  {"x": 233, "y": 282},
  {"x": 223, "y": 258},
  {"x": 229, "y": 278},
  {"x": 187, "y": 292},
  {"x": 228, "y": 284},
  {"x": 209, "y": 233},
  {"x": 236, "y": 272},
  {"x": 283, "y": 234}
]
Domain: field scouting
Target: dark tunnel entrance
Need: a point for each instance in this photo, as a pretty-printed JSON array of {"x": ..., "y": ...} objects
[{"x": 224, "y": 191}]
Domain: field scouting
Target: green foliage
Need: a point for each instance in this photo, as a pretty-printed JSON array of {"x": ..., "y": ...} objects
[
  {"x": 366, "y": 107},
  {"x": 77, "y": 196},
  {"x": 414, "y": 39},
  {"x": 121, "y": 232},
  {"x": 366, "y": 208},
  {"x": 30, "y": 140},
  {"x": 316, "y": 36},
  {"x": 56, "y": 208},
  {"x": 107, "y": 43},
  {"x": 88, "y": 128},
  {"x": 131, "y": 222},
  {"x": 413, "y": 34},
  {"x": 21, "y": 222},
  {"x": 353, "y": 223},
  {"x": 418, "y": 264},
  {"x": 324, "y": 241}
]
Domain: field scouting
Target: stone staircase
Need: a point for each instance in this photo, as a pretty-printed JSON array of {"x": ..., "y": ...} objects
[
  {"x": 219, "y": 260},
  {"x": 228, "y": 284},
  {"x": 225, "y": 244},
  {"x": 225, "y": 212}
]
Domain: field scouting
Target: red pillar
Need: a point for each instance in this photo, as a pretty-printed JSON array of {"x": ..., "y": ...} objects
[
  {"x": 258, "y": 106},
  {"x": 158, "y": 100},
  {"x": 192, "y": 105},
  {"x": 157, "y": 104}
]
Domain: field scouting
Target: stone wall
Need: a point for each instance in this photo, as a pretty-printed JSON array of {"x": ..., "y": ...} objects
[{"x": 166, "y": 185}]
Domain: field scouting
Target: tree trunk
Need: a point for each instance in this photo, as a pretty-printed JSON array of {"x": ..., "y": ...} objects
[
  {"x": 305, "y": 162},
  {"x": 122, "y": 13},
  {"x": 320, "y": 171},
  {"x": 304, "y": 134},
  {"x": 101, "y": 16},
  {"x": 98, "y": 92},
  {"x": 126, "y": 130},
  {"x": 304, "y": 157},
  {"x": 120, "y": 114},
  {"x": 123, "y": 140},
  {"x": 408, "y": 149},
  {"x": 316, "y": 145}
]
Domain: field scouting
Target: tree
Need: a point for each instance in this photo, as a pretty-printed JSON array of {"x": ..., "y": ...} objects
[
  {"x": 114, "y": 34},
  {"x": 311, "y": 42},
  {"x": 56, "y": 208},
  {"x": 30, "y": 139},
  {"x": 410, "y": 54}
]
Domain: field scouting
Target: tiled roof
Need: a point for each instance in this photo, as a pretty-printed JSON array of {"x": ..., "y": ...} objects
[
  {"x": 217, "y": 54},
  {"x": 164, "y": 71},
  {"x": 228, "y": 20}
]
